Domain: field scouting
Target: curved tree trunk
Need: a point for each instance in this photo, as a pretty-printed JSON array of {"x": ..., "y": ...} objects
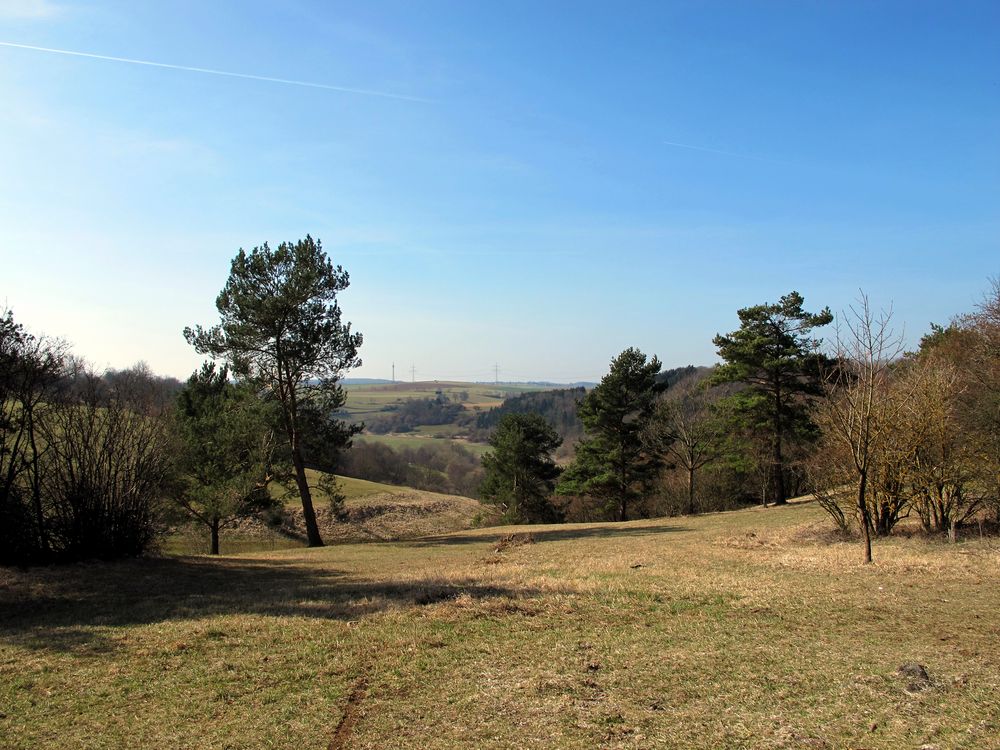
[
  {"x": 294, "y": 441},
  {"x": 623, "y": 483},
  {"x": 780, "y": 495},
  {"x": 778, "y": 469}
]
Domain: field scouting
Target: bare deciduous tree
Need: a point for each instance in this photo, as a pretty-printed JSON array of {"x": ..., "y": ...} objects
[
  {"x": 108, "y": 462},
  {"x": 685, "y": 428},
  {"x": 858, "y": 411},
  {"x": 942, "y": 475}
]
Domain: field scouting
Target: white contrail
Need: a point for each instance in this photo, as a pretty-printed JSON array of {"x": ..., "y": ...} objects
[
  {"x": 716, "y": 151},
  {"x": 188, "y": 68}
]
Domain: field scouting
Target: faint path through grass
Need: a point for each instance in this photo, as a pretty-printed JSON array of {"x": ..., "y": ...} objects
[{"x": 754, "y": 629}]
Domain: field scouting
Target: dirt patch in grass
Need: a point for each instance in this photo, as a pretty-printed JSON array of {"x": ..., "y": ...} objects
[
  {"x": 342, "y": 735},
  {"x": 514, "y": 540},
  {"x": 407, "y": 514}
]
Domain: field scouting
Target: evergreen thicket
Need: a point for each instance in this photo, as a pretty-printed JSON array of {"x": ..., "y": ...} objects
[
  {"x": 773, "y": 355},
  {"x": 225, "y": 456},
  {"x": 558, "y": 407}
]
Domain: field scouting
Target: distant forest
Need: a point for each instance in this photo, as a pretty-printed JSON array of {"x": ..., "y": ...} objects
[
  {"x": 558, "y": 408},
  {"x": 416, "y": 413}
]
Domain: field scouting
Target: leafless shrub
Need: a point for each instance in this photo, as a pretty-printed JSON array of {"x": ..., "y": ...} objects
[
  {"x": 83, "y": 459},
  {"x": 105, "y": 469},
  {"x": 858, "y": 413}
]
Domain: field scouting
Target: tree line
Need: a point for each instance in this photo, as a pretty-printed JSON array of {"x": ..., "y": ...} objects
[
  {"x": 94, "y": 464},
  {"x": 747, "y": 419},
  {"x": 874, "y": 432},
  {"x": 413, "y": 413},
  {"x": 434, "y": 465}
]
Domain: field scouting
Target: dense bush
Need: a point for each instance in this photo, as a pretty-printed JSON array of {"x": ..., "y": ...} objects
[
  {"x": 105, "y": 468},
  {"x": 84, "y": 460}
]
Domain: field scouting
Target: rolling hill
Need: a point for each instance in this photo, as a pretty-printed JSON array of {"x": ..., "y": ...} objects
[{"x": 375, "y": 512}]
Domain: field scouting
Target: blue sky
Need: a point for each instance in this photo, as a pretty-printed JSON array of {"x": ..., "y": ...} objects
[{"x": 537, "y": 185}]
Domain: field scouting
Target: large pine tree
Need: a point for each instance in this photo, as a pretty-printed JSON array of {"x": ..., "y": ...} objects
[
  {"x": 774, "y": 356},
  {"x": 281, "y": 329}
]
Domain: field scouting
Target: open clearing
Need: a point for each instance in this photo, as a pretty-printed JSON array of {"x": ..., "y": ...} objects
[{"x": 739, "y": 630}]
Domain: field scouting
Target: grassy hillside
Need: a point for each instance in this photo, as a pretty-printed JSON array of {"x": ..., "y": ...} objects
[
  {"x": 375, "y": 511},
  {"x": 742, "y": 630},
  {"x": 354, "y": 490},
  {"x": 374, "y": 402}
]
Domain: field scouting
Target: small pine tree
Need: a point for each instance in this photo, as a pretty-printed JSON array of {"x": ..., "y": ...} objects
[
  {"x": 226, "y": 446},
  {"x": 612, "y": 462},
  {"x": 520, "y": 472}
]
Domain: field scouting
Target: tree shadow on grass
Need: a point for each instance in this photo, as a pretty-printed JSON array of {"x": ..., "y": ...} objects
[
  {"x": 73, "y": 608},
  {"x": 76, "y": 607},
  {"x": 550, "y": 534}
]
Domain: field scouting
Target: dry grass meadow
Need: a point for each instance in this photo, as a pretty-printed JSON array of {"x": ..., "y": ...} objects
[{"x": 751, "y": 629}]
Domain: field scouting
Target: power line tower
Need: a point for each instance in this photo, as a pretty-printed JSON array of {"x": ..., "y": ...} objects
[
  {"x": 413, "y": 373},
  {"x": 496, "y": 374}
]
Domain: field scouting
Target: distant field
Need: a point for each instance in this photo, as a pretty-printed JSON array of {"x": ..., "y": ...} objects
[
  {"x": 365, "y": 400},
  {"x": 435, "y": 431},
  {"x": 753, "y": 630}
]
